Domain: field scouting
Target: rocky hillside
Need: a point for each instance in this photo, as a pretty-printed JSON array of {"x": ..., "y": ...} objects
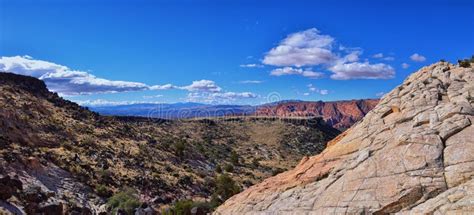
[
  {"x": 339, "y": 114},
  {"x": 59, "y": 158},
  {"x": 412, "y": 154}
]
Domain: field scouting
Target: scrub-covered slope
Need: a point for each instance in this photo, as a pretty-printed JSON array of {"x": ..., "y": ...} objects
[
  {"x": 414, "y": 152},
  {"x": 59, "y": 158}
]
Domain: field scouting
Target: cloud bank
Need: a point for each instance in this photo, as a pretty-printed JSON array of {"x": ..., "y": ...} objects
[
  {"x": 66, "y": 81},
  {"x": 69, "y": 82},
  {"x": 311, "y": 48}
]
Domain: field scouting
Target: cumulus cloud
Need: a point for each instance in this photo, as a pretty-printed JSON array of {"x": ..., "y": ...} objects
[
  {"x": 357, "y": 70},
  {"x": 417, "y": 57},
  {"x": 67, "y": 81},
  {"x": 208, "y": 91},
  {"x": 296, "y": 71},
  {"x": 311, "y": 48},
  {"x": 251, "y": 65},
  {"x": 203, "y": 85},
  {"x": 379, "y": 94},
  {"x": 405, "y": 65},
  {"x": 302, "y": 48}
]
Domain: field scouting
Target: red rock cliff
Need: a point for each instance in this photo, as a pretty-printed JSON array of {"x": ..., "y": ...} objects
[{"x": 339, "y": 114}]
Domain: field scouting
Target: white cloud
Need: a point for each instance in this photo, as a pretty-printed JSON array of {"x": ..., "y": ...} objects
[
  {"x": 357, "y": 70},
  {"x": 323, "y": 92},
  {"x": 296, "y": 71},
  {"x": 351, "y": 57},
  {"x": 71, "y": 82},
  {"x": 251, "y": 65},
  {"x": 378, "y": 55},
  {"x": 313, "y": 89},
  {"x": 251, "y": 82},
  {"x": 417, "y": 57},
  {"x": 302, "y": 48},
  {"x": 306, "y": 94},
  {"x": 67, "y": 81},
  {"x": 207, "y": 91},
  {"x": 405, "y": 65},
  {"x": 381, "y": 56},
  {"x": 203, "y": 85},
  {"x": 311, "y": 48},
  {"x": 379, "y": 94},
  {"x": 163, "y": 87}
]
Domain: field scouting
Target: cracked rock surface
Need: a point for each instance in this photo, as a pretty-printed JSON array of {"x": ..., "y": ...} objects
[{"x": 412, "y": 154}]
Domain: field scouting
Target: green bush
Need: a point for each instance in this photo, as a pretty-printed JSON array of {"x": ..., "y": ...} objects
[
  {"x": 218, "y": 169},
  {"x": 234, "y": 158},
  {"x": 226, "y": 187},
  {"x": 464, "y": 63},
  {"x": 126, "y": 200},
  {"x": 229, "y": 168},
  {"x": 103, "y": 191},
  {"x": 179, "y": 148},
  {"x": 183, "y": 207}
]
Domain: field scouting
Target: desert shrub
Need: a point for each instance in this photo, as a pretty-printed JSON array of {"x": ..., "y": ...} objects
[
  {"x": 234, "y": 158},
  {"x": 229, "y": 168},
  {"x": 464, "y": 63},
  {"x": 184, "y": 207},
  {"x": 218, "y": 169},
  {"x": 185, "y": 180},
  {"x": 179, "y": 148},
  {"x": 209, "y": 184},
  {"x": 126, "y": 200},
  {"x": 103, "y": 191},
  {"x": 226, "y": 187}
]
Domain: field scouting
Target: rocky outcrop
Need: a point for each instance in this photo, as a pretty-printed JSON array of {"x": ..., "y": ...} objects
[
  {"x": 339, "y": 114},
  {"x": 413, "y": 153}
]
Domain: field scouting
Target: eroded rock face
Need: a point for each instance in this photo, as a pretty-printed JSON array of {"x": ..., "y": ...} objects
[
  {"x": 339, "y": 114},
  {"x": 414, "y": 152}
]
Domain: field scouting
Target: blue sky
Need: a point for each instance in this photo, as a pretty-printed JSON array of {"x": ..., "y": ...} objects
[{"x": 115, "y": 52}]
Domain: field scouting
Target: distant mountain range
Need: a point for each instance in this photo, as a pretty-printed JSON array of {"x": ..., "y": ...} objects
[
  {"x": 339, "y": 114},
  {"x": 175, "y": 111}
]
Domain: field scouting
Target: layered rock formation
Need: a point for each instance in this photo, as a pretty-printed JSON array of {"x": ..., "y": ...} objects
[
  {"x": 339, "y": 114},
  {"x": 413, "y": 153}
]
